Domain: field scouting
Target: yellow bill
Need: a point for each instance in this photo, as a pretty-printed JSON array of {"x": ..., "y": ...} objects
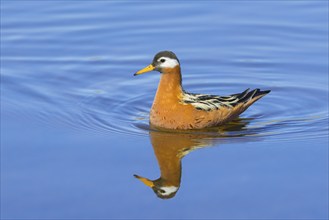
[
  {"x": 146, "y": 181},
  {"x": 144, "y": 70}
]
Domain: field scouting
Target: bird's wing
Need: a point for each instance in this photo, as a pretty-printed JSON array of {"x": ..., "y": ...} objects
[{"x": 213, "y": 102}]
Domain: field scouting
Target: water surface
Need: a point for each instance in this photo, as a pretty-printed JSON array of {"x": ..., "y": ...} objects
[{"x": 74, "y": 120}]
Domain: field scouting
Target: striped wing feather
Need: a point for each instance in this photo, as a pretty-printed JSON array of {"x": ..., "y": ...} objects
[{"x": 214, "y": 102}]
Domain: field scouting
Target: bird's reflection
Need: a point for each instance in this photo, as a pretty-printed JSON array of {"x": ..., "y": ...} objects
[{"x": 171, "y": 147}]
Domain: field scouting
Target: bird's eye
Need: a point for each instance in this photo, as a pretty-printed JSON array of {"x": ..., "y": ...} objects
[
  {"x": 162, "y": 60},
  {"x": 162, "y": 191}
]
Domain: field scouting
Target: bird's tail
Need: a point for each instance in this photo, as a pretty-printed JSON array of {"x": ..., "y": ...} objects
[{"x": 252, "y": 96}]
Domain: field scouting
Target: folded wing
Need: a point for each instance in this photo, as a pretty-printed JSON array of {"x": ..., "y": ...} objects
[{"x": 214, "y": 102}]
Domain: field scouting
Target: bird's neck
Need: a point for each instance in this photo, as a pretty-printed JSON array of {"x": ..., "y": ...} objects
[
  {"x": 170, "y": 85},
  {"x": 169, "y": 160}
]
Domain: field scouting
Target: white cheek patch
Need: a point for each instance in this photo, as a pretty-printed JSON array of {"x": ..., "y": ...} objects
[
  {"x": 169, "y": 190},
  {"x": 169, "y": 63}
]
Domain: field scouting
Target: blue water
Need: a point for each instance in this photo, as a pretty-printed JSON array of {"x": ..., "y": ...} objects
[{"x": 74, "y": 120}]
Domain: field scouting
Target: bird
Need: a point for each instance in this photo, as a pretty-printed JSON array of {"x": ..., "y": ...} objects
[{"x": 175, "y": 109}]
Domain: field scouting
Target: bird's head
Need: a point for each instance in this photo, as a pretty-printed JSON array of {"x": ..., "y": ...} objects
[
  {"x": 159, "y": 187},
  {"x": 162, "y": 61}
]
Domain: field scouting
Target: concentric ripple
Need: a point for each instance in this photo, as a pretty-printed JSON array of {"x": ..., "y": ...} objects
[{"x": 122, "y": 106}]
